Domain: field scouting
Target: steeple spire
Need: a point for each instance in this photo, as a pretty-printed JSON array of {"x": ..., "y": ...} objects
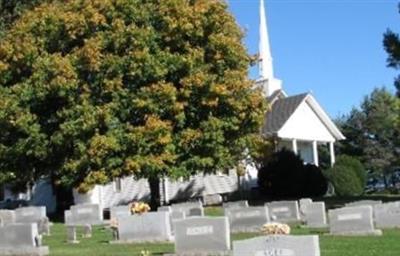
[
  {"x": 267, "y": 80},
  {"x": 265, "y": 64}
]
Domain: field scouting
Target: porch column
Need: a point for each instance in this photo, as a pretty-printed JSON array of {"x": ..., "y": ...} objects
[
  {"x": 332, "y": 152},
  {"x": 315, "y": 152},
  {"x": 294, "y": 146}
]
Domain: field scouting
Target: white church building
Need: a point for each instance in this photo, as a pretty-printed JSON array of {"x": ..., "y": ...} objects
[{"x": 295, "y": 122}]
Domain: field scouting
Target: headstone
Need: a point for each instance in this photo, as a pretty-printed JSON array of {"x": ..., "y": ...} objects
[
  {"x": 31, "y": 214},
  {"x": 164, "y": 209},
  {"x": 83, "y": 214},
  {"x": 7, "y": 216},
  {"x": 187, "y": 207},
  {"x": 352, "y": 221},
  {"x": 119, "y": 211},
  {"x": 249, "y": 219},
  {"x": 147, "y": 227},
  {"x": 284, "y": 211},
  {"x": 387, "y": 215},
  {"x": 202, "y": 236},
  {"x": 34, "y": 214},
  {"x": 302, "y": 206},
  {"x": 21, "y": 239},
  {"x": 278, "y": 245},
  {"x": 235, "y": 204},
  {"x": 44, "y": 226},
  {"x": 87, "y": 231},
  {"x": 196, "y": 212},
  {"x": 215, "y": 199},
  {"x": 71, "y": 235},
  {"x": 315, "y": 215}
]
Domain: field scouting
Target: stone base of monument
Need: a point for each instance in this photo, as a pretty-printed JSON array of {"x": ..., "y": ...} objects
[
  {"x": 133, "y": 241},
  {"x": 376, "y": 232},
  {"x": 203, "y": 253},
  {"x": 25, "y": 251}
]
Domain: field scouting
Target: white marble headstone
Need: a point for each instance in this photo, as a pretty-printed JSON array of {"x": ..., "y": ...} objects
[{"x": 278, "y": 245}]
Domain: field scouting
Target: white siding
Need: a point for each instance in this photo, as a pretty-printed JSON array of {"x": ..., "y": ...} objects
[{"x": 304, "y": 124}]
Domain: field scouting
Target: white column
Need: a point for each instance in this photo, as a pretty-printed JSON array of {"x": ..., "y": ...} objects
[
  {"x": 294, "y": 146},
  {"x": 332, "y": 152},
  {"x": 315, "y": 152},
  {"x": 166, "y": 192}
]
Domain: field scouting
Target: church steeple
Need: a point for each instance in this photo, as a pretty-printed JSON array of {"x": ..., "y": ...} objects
[
  {"x": 265, "y": 64},
  {"x": 266, "y": 72}
]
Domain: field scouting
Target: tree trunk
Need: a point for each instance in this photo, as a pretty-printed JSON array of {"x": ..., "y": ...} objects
[{"x": 155, "y": 197}]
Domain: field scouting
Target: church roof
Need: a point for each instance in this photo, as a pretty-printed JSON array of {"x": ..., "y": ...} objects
[{"x": 281, "y": 110}]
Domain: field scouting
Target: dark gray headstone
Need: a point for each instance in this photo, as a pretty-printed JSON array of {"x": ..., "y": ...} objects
[
  {"x": 249, "y": 219},
  {"x": 352, "y": 221},
  {"x": 202, "y": 236},
  {"x": 284, "y": 211},
  {"x": 278, "y": 245},
  {"x": 148, "y": 227}
]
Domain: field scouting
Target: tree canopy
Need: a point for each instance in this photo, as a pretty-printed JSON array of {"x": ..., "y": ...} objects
[
  {"x": 391, "y": 43},
  {"x": 93, "y": 90},
  {"x": 372, "y": 133}
]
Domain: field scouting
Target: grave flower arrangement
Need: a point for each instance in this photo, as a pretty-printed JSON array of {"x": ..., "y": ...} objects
[
  {"x": 274, "y": 228},
  {"x": 139, "y": 208}
]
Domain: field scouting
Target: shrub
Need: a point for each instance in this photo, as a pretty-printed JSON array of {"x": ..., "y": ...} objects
[
  {"x": 347, "y": 176},
  {"x": 285, "y": 175}
]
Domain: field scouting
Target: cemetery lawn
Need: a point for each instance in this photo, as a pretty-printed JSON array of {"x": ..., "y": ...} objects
[{"x": 98, "y": 245}]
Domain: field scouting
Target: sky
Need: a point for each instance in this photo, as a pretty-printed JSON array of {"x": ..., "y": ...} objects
[{"x": 331, "y": 48}]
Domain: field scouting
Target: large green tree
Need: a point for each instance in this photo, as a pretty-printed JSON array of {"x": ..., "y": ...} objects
[
  {"x": 391, "y": 43},
  {"x": 371, "y": 131},
  {"x": 11, "y": 10},
  {"x": 94, "y": 90}
]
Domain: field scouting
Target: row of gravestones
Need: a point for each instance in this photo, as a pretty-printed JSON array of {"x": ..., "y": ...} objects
[{"x": 21, "y": 231}]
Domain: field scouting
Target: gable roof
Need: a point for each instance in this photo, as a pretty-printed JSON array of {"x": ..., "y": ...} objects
[{"x": 283, "y": 108}]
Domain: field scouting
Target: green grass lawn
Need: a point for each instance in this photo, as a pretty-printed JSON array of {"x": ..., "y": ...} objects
[{"x": 386, "y": 245}]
